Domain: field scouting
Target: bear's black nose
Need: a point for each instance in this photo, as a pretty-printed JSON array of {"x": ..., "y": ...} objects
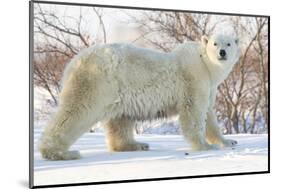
[{"x": 222, "y": 53}]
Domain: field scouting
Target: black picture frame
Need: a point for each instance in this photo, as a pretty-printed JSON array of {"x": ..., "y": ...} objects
[{"x": 31, "y": 94}]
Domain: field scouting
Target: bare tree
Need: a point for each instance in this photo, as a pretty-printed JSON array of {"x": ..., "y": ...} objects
[
  {"x": 164, "y": 30},
  {"x": 242, "y": 92},
  {"x": 58, "y": 39},
  {"x": 262, "y": 51},
  {"x": 58, "y": 34},
  {"x": 47, "y": 72},
  {"x": 99, "y": 13}
]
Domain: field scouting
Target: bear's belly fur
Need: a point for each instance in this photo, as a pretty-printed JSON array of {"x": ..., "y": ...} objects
[{"x": 147, "y": 104}]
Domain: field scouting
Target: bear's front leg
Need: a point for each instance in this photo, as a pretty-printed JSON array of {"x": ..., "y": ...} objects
[
  {"x": 214, "y": 135},
  {"x": 120, "y": 136},
  {"x": 193, "y": 121}
]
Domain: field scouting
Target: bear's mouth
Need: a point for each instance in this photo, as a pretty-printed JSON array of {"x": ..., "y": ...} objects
[{"x": 222, "y": 58}]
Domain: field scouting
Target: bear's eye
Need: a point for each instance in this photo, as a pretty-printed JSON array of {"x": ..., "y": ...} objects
[
  {"x": 228, "y": 44},
  {"x": 215, "y": 44}
]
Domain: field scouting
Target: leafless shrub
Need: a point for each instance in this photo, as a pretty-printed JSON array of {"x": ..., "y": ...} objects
[{"x": 58, "y": 39}]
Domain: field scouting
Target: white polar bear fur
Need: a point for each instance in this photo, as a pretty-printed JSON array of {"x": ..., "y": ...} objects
[{"x": 119, "y": 84}]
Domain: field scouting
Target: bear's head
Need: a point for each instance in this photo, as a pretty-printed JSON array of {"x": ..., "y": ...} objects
[{"x": 221, "y": 49}]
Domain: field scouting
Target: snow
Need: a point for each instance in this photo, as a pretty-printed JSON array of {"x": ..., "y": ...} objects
[
  {"x": 160, "y": 126},
  {"x": 166, "y": 158}
]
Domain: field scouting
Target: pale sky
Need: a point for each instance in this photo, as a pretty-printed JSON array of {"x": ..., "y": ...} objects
[{"x": 116, "y": 21}]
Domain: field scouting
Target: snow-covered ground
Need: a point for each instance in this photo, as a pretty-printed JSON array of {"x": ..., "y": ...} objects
[{"x": 165, "y": 159}]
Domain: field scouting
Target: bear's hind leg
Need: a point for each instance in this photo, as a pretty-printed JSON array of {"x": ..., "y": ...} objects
[
  {"x": 80, "y": 108},
  {"x": 66, "y": 127},
  {"x": 120, "y": 136}
]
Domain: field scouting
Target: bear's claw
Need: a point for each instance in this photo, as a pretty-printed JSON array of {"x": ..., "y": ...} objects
[
  {"x": 229, "y": 143},
  {"x": 142, "y": 146}
]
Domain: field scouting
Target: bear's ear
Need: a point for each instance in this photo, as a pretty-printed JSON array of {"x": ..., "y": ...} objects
[
  {"x": 204, "y": 40},
  {"x": 236, "y": 41}
]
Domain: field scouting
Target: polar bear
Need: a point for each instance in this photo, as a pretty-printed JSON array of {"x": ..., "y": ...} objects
[{"x": 119, "y": 84}]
